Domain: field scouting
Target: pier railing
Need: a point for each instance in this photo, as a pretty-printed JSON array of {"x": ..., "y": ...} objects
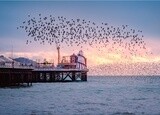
[{"x": 16, "y": 66}]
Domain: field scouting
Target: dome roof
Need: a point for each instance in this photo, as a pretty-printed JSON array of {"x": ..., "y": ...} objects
[
  {"x": 80, "y": 53},
  {"x": 73, "y": 55}
]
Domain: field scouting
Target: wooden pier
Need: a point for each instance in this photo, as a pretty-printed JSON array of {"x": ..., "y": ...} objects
[
  {"x": 15, "y": 77},
  {"x": 27, "y": 76},
  {"x": 59, "y": 75}
]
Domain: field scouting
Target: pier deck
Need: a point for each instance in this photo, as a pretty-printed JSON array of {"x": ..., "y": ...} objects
[
  {"x": 59, "y": 75},
  {"x": 18, "y": 76},
  {"x": 15, "y": 76}
]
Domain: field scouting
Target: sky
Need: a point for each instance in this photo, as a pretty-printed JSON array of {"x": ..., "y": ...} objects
[{"x": 140, "y": 15}]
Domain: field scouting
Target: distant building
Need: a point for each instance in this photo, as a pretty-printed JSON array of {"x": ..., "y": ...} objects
[
  {"x": 4, "y": 61},
  {"x": 45, "y": 64},
  {"x": 81, "y": 61},
  {"x": 73, "y": 61}
]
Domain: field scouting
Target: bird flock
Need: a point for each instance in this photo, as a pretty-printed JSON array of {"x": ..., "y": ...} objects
[{"x": 59, "y": 31}]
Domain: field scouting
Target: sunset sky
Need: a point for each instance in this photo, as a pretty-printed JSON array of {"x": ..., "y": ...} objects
[{"x": 140, "y": 15}]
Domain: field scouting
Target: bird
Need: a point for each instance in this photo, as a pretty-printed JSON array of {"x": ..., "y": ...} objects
[{"x": 59, "y": 30}]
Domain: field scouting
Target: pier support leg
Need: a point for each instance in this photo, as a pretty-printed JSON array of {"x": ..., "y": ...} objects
[
  {"x": 73, "y": 76},
  {"x": 84, "y": 76}
]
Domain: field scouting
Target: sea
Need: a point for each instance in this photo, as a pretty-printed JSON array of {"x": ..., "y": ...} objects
[{"x": 100, "y": 95}]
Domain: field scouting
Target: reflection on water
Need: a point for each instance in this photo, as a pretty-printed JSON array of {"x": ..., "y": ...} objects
[{"x": 100, "y": 95}]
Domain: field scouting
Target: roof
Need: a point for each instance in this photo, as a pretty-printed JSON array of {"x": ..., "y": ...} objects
[
  {"x": 1, "y": 60},
  {"x": 73, "y": 54},
  {"x": 4, "y": 59}
]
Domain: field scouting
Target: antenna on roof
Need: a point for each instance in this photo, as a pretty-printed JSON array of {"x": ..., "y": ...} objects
[{"x": 12, "y": 52}]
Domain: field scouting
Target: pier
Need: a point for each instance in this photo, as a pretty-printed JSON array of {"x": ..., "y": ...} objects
[
  {"x": 71, "y": 68},
  {"x": 27, "y": 76},
  {"x": 15, "y": 76},
  {"x": 59, "y": 75}
]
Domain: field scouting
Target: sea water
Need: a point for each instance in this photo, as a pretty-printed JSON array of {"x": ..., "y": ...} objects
[{"x": 105, "y": 95}]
